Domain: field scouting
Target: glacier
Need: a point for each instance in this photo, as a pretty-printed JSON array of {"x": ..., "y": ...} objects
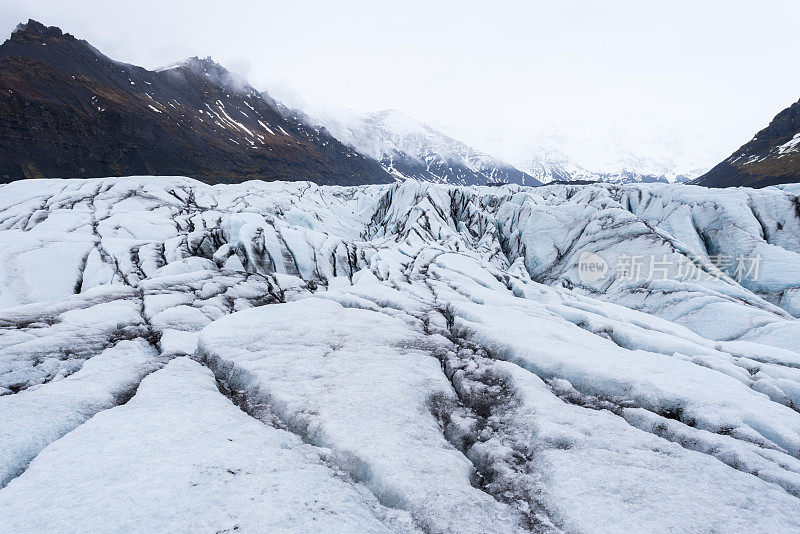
[{"x": 413, "y": 357}]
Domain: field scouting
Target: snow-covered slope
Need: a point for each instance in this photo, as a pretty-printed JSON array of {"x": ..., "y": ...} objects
[
  {"x": 547, "y": 164},
  {"x": 408, "y": 149},
  {"x": 398, "y": 358}
]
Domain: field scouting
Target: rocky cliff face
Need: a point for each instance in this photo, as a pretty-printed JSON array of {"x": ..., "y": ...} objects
[
  {"x": 66, "y": 110},
  {"x": 771, "y": 157}
]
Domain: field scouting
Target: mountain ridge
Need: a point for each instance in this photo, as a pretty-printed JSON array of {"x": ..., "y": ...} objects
[
  {"x": 771, "y": 157},
  {"x": 67, "y": 110}
]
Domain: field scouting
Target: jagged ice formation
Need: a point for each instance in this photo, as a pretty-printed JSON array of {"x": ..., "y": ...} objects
[{"x": 408, "y": 357}]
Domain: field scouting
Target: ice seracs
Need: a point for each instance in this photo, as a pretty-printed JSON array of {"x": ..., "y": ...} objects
[{"x": 406, "y": 357}]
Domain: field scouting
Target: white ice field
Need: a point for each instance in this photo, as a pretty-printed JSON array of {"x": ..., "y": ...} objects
[{"x": 286, "y": 357}]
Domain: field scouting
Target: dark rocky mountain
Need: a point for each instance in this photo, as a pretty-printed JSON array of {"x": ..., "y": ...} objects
[
  {"x": 771, "y": 157},
  {"x": 68, "y": 111}
]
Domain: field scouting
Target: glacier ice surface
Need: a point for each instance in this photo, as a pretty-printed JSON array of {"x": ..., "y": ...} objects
[{"x": 408, "y": 357}]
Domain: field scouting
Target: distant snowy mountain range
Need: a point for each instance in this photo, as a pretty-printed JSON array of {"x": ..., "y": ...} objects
[
  {"x": 409, "y": 149},
  {"x": 626, "y": 170}
]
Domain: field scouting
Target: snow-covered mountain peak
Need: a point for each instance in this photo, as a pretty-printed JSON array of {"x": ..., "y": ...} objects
[{"x": 408, "y": 148}]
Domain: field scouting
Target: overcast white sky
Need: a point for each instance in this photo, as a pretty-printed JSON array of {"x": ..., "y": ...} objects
[{"x": 705, "y": 75}]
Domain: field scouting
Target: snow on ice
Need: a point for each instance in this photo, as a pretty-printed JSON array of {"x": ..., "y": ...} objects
[{"x": 398, "y": 358}]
